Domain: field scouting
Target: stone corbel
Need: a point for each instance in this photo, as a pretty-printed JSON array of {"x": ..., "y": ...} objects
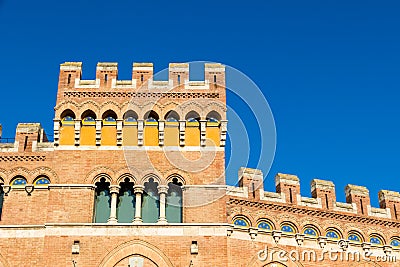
[
  {"x": 253, "y": 232},
  {"x": 322, "y": 241},
  {"x": 387, "y": 249},
  {"x": 276, "y": 235},
  {"x": 6, "y": 189},
  {"x": 299, "y": 239},
  {"x": 29, "y": 189},
  {"x": 343, "y": 244},
  {"x": 229, "y": 231},
  {"x": 366, "y": 246}
]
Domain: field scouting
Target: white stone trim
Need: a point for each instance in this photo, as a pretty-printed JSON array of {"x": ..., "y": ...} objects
[{"x": 85, "y": 84}]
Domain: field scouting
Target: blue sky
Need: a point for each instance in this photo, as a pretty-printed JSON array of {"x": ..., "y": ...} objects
[{"x": 329, "y": 69}]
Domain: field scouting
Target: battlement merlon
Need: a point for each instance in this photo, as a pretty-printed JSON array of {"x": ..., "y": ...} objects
[
  {"x": 142, "y": 74},
  {"x": 289, "y": 185},
  {"x": 253, "y": 179},
  {"x": 323, "y": 195},
  {"x": 28, "y": 135},
  {"x": 325, "y": 190},
  {"x": 391, "y": 200}
]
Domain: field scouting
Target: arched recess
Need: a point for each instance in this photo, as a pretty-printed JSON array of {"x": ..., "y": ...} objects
[
  {"x": 192, "y": 130},
  {"x": 67, "y": 129},
  {"x": 151, "y": 128},
  {"x": 213, "y": 134},
  {"x": 171, "y": 131},
  {"x": 136, "y": 247},
  {"x": 109, "y": 128},
  {"x": 88, "y": 129},
  {"x": 129, "y": 131}
]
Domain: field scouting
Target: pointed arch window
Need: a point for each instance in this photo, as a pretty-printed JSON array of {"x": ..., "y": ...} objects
[
  {"x": 126, "y": 202},
  {"x": 102, "y": 202},
  {"x": 174, "y": 202},
  {"x": 150, "y": 203}
]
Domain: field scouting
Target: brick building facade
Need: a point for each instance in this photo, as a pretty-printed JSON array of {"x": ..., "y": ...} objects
[{"x": 135, "y": 177}]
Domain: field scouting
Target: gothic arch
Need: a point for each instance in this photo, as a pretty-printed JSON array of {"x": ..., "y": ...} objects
[
  {"x": 136, "y": 247},
  {"x": 127, "y": 171},
  {"x": 111, "y": 105},
  {"x": 153, "y": 175},
  {"x": 170, "y": 106},
  {"x": 175, "y": 175},
  {"x": 123, "y": 176},
  {"x": 69, "y": 104},
  {"x": 190, "y": 106},
  {"x": 216, "y": 107},
  {"x": 150, "y": 106},
  {"x": 88, "y": 105},
  {"x": 129, "y": 105},
  {"x": 93, "y": 174}
]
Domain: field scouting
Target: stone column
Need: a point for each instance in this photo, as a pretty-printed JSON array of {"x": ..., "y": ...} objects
[
  {"x": 161, "y": 126},
  {"x": 182, "y": 125},
  {"x": 203, "y": 125},
  {"x": 119, "y": 132},
  {"x": 114, "y": 190},
  {"x": 140, "y": 132},
  {"x": 138, "y": 190},
  {"x": 56, "y": 132},
  {"x": 98, "y": 132},
  {"x": 77, "y": 132},
  {"x": 162, "y": 191}
]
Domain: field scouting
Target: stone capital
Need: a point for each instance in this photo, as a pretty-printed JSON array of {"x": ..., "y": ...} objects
[
  {"x": 138, "y": 189},
  {"x": 162, "y": 189},
  {"x": 114, "y": 189}
]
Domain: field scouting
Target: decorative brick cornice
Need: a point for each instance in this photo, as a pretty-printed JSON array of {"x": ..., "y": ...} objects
[
  {"x": 158, "y": 95},
  {"x": 17, "y": 158},
  {"x": 313, "y": 212}
]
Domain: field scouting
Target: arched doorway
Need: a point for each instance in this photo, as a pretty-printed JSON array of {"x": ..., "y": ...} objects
[{"x": 138, "y": 252}]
